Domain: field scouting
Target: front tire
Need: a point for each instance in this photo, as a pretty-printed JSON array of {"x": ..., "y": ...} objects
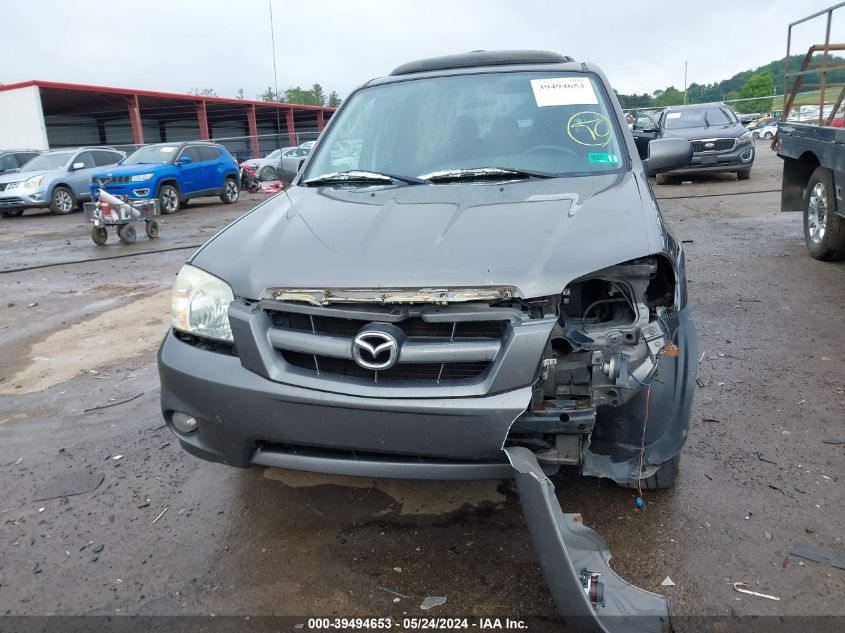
[
  {"x": 168, "y": 199},
  {"x": 661, "y": 179},
  {"x": 824, "y": 231},
  {"x": 743, "y": 174},
  {"x": 99, "y": 235},
  {"x": 663, "y": 479},
  {"x": 268, "y": 173},
  {"x": 768, "y": 136},
  {"x": 62, "y": 201},
  {"x": 152, "y": 229},
  {"x": 230, "y": 191}
]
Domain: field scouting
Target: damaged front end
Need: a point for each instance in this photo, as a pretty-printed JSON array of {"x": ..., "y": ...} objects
[
  {"x": 613, "y": 393},
  {"x": 613, "y": 396}
]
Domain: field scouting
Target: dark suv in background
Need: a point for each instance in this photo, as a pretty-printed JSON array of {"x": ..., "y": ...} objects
[{"x": 720, "y": 143}]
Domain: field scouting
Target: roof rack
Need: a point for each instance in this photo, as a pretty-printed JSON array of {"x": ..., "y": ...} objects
[{"x": 481, "y": 58}]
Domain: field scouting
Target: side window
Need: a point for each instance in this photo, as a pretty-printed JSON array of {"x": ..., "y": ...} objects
[
  {"x": 103, "y": 158},
  {"x": 8, "y": 162},
  {"x": 194, "y": 152},
  {"x": 24, "y": 158},
  {"x": 644, "y": 122},
  {"x": 209, "y": 153},
  {"x": 86, "y": 158}
]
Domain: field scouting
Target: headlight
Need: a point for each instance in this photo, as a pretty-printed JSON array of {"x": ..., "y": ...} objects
[
  {"x": 747, "y": 137},
  {"x": 200, "y": 304},
  {"x": 33, "y": 182},
  {"x": 140, "y": 177}
]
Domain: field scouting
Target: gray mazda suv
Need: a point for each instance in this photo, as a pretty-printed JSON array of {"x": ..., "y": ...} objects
[{"x": 469, "y": 278}]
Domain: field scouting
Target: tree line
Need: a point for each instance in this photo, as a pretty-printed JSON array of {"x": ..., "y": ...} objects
[
  {"x": 315, "y": 95},
  {"x": 762, "y": 82}
]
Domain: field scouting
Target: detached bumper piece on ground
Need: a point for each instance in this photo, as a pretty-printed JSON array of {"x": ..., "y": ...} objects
[{"x": 575, "y": 562}]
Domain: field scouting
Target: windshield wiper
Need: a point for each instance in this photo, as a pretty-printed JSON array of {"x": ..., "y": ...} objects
[
  {"x": 481, "y": 173},
  {"x": 355, "y": 175}
]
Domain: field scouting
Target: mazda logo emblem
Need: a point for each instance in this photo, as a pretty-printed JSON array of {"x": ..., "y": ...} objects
[{"x": 376, "y": 346}]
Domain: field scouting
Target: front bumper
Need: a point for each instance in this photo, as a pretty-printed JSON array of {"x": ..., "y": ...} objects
[
  {"x": 22, "y": 199},
  {"x": 144, "y": 190},
  {"x": 246, "y": 419},
  {"x": 742, "y": 157}
]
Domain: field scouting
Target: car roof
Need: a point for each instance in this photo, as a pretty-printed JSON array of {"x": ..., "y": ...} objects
[{"x": 474, "y": 59}]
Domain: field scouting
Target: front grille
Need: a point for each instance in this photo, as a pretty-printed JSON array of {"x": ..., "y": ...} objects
[
  {"x": 420, "y": 334},
  {"x": 718, "y": 145},
  {"x": 11, "y": 202},
  {"x": 426, "y": 372}
]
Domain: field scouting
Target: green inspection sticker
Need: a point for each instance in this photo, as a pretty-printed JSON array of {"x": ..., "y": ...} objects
[{"x": 598, "y": 157}]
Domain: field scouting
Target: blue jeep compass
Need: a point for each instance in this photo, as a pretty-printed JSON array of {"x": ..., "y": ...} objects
[{"x": 174, "y": 173}]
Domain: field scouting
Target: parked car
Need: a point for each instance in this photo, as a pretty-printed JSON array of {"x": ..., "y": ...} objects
[
  {"x": 760, "y": 123},
  {"x": 292, "y": 163},
  {"x": 269, "y": 167},
  {"x": 492, "y": 300},
  {"x": 174, "y": 173},
  {"x": 767, "y": 131},
  {"x": 58, "y": 179},
  {"x": 13, "y": 159},
  {"x": 720, "y": 143}
]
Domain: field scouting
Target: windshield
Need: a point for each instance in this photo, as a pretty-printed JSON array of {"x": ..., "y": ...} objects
[
  {"x": 274, "y": 154},
  {"x": 699, "y": 117},
  {"x": 152, "y": 154},
  {"x": 48, "y": 161},
  {"x": 554, "y": 123}
]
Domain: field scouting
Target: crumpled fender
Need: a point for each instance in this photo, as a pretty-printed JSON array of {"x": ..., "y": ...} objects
[{"x": 566, "y": 547}]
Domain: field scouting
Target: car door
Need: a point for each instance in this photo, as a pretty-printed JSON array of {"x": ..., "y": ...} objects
[
  {"x": 645, "y": 130},
  {"x": 82, "y": 167},
  {"x": 211, "y": 174},
  {"x": 190, "y": 171}
]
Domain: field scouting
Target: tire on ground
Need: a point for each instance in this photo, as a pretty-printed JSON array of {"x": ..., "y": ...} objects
[
  {"x": 127, "y": 233},
  {"x": 168, "y": 198},
  {"x": 62, "y": 201},
  {"x": 99, "y": 235},
  {"x": 665, "y": 477},
  {"x": 661, "y": 179},
  {"x": 743, "y": 174},
  {"x": 231, "y": 191},
  {"x": 267, "y": 173},
  {"x": 829, "y": 244}
]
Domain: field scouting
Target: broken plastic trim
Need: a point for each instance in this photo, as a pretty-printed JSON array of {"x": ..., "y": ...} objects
[
  {"x": 391, "y": 295},
  {"x": 590, "y": 596}
]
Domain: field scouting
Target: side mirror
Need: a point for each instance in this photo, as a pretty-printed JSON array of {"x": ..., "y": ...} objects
[
  {"x": 666, "y": 154},
  {"x": 183, "y": 160},
  {"x": 77, "y": 166}
]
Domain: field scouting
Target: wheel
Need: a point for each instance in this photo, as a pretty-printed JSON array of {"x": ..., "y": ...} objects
[
  {"x": 62, "y": 201},
  {"x": 100, "y": 235},
  {"x": 768, "y": 136},
  {"x": 743, "y": 174},
  {"x": 11, "y": 213},
  {"x": 127, "y": 234},
  {"x": 152, "y": 229},
  {"x": 168, "y": 199},
  {"x": 824, "y": 231},
  {"x": 268, "y": 173},
  {"x": 230, "y": 191},
  {"x": 661, "y": 179},
  {"x": 664, "y": 478}
]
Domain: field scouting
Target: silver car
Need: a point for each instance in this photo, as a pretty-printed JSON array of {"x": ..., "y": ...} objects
[
  {"x": 270, "y": 167},
  {"x": 58, "y": 180}
]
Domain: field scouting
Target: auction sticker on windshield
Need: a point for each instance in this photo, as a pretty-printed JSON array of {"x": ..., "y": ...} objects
[
  {"x": 558, "y": 91},
  {"x": 597, "y": 157}
]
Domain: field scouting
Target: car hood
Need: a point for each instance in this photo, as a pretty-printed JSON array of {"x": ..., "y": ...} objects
[
  {"x": 127, "y": 170},
  {"x": 534, "y": 235},
  {"x": 712, "y": 131},
  {"x": 255, "y": 161},
  {"x": 19, "y": 176}
]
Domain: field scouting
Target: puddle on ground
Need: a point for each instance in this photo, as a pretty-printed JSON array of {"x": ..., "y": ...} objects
[
  {"x": 115, "y": 335},
  {"x": 415, "y": 496}
]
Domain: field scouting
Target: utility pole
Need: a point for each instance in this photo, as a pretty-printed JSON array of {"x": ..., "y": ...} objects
[{"x": 685, "y": 82}]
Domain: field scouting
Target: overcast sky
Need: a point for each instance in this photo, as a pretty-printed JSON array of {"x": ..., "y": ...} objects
[{"x": 175, "y": 45}]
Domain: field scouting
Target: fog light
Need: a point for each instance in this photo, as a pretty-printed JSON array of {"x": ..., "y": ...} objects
[{"x": 183, "y": 422}]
